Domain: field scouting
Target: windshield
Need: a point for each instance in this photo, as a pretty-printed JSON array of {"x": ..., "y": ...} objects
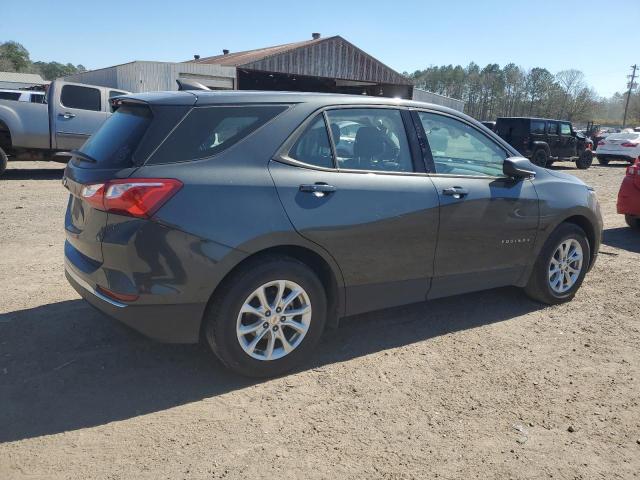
[{"x": 113, "y": 145}]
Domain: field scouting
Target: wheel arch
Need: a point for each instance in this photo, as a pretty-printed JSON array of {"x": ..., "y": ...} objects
[
  {"x": 5, "y": 137},
  {"x": 537, "y": 144},
  {"x": 328, "y": 273}
]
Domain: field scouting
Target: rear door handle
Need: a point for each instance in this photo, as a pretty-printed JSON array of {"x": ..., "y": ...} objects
[
  {"x": 318, "y": 189},
  {"x": 67, "y": 115},
  {"x": 455, "y": 192}
]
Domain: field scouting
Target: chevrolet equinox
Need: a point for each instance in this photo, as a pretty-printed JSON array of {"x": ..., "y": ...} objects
[{"x": 252, "y": 220}]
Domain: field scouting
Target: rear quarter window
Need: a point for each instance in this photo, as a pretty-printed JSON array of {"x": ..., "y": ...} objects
[
  {"x": 207, "y": 131},
  {"x": 9, "y": 95}
]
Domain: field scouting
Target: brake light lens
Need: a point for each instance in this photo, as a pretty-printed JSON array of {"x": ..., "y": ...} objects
[
  {"x": 139, "y": 197},
  {"x": 629, "y": 144},
  {"x": 601, "y": 142},
  {"x": 634, "y": 169}
]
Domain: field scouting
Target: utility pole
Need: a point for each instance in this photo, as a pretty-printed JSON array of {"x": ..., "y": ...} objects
[{"x": 631, "y": 84}]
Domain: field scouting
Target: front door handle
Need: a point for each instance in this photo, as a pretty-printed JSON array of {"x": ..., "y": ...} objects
[
  {"x": 455, "y": 192},
  {"x": 318, "y": 189},
  {"x": 67, "y": 115}
]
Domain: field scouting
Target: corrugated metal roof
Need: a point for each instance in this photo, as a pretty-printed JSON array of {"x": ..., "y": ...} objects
[
  {"x": 22, "y": 78},
  {"x": 235, "y": 59}
]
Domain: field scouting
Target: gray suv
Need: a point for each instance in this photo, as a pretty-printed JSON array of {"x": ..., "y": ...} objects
[{"x": 252, "y": 220}]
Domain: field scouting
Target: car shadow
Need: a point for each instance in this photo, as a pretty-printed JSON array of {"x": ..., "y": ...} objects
[
  {"x": 624, "y": 238},
  {"x": 32, "y": 174},
  {"x": 65, "y": 366}
]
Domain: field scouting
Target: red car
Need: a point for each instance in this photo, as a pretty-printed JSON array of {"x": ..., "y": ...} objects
[{"x": 629, "y": 196}]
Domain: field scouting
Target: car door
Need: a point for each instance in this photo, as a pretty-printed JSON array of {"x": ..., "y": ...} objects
[
  {"x": 79, "y": 114},
  {"x": 488, "y": 222},
  {"x": 553, "y": 138},
  {"x": 372, "y": 207},
  {"x": 567, "y": 140}
]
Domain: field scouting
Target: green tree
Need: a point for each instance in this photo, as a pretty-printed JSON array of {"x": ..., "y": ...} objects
[{"x": 14, "y": 55}]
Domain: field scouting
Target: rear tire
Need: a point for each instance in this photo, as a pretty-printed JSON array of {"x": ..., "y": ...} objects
[
  {"x": 633, "y": 222},
  {"x": 3, "y": 161},
  {"x": 542, "y": 285},
  {"x": 585, "y": 160},
  {"x": 266, "y": 356},
  {"x": 540, "y": 157},
  {"x": 603, "y": 161}
]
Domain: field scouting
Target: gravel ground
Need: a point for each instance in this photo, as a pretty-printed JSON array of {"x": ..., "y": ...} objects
[{"x": 484, "y": 385}]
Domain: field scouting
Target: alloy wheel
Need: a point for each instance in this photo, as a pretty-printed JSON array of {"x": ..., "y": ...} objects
[
  {"x": 565, "y": 266},
  {"x": 273, "y": 320}
]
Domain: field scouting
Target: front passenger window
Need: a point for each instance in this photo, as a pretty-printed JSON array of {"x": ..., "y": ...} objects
[{"x": 459, "y": 149}]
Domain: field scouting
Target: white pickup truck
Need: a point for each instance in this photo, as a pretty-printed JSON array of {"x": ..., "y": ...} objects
[{"x": 39, "y": 131}]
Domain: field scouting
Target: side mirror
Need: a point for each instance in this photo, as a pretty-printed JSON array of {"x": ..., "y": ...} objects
[{"x": 518, "y": 168}]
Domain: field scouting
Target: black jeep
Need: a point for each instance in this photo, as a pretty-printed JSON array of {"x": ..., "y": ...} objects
[{"x": 545, "y": 141}]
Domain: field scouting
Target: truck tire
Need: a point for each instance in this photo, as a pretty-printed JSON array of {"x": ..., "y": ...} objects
[
  {"x": 3, "y": 161},
  {"x": 585, "y": 160},
  {"x": 540, "y": 157},
  {"x": 603, "y": 161}
]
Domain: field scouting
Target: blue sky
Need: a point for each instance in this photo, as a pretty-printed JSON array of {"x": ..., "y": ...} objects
[{"x": 600, "y": 38}]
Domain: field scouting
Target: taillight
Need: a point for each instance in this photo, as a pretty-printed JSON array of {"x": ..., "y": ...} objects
[
  {"x": 139, "y": 197},
  {"x": 634, "y": 169},
  {"x": 601, "y": 142},
  {"x": 629, "y": 144}
]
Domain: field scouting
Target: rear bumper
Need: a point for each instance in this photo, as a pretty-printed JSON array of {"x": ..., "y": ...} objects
[
  {"x": 166, "y": 323},
  {"x": 615, "y": 156},
  {"x": 629, "y": 197}
]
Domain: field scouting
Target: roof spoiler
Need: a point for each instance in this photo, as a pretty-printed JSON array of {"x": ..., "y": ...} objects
[{"x": 190, "y": 85}]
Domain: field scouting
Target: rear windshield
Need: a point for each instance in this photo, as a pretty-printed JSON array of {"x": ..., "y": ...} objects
[
  {"x": 207, "y": 131},
  {"x": 624, "y": 136},
  {"x": 113, "y": 145},
  {"x": 508, "y": 127}
]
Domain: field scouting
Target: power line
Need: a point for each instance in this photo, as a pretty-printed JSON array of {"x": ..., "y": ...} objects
[{"x": 631, "y": 84}]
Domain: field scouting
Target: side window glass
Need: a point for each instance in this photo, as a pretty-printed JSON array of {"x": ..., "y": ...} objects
[
  {"x": 537, "y": 126},
  {"x": 84, "y": 98},
  {"x": 370, "y": 139},
  {"x": 459, "y": 149},
  {"x": 313, "y": 146},
  {"x": 552, "y": 128},
  {"x": 565, "y": 129}
]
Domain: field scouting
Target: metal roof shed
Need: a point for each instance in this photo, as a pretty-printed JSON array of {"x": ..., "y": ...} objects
[{"x": 329, "y": 64}]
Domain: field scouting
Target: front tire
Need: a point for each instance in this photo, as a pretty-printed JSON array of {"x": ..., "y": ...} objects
[
  {"x": 561, "y": 266},
  {"x": 267, "y": 318}
]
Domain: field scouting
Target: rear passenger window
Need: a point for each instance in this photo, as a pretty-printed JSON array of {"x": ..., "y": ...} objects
[
  {"x": 207, "y": 131},
  {"x": 84, "y": 98},
  {"x": 313, "y": 146},
  {"x": 37, "y": 98},
  {"x": 537, "y": 126},
  {"x": 370, "y": 139},
  {"x": 552, "y": 128}
]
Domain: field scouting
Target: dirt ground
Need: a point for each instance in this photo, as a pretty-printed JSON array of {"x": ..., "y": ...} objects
[{"x": 484, "y": 385}]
